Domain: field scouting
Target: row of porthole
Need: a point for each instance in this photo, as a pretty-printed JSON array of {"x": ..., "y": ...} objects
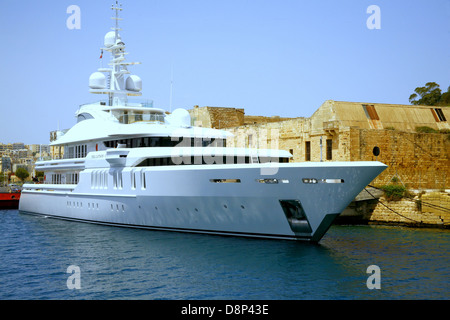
[
  {"x": 178, "y": 209},
  {"x": 276, "y": 180},
  {"x": 270, "y": 181},
  {"x": 76, "y": 204},
  {"x": 93, "y": 206},
  {"x": 117, "y": 207}
]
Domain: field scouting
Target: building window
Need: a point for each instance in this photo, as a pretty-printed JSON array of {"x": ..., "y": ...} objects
[
  {"x": 329, "y": 149},
  {"x": 250, "y": 140},
  {"x": 308, "y": 151},
  {"x": 438, "y": 115}
]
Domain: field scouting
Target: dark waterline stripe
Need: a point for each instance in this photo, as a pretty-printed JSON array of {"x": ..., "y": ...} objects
[{"x": 214, "y": 232}]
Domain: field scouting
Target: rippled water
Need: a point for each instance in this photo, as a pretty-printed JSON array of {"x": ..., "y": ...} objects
[{"x": 120, "y": 263}]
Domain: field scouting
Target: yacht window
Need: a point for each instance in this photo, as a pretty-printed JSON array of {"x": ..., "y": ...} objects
[
  {"x": 199, "y": 160},
  {"x": 144, "y": 183},
  {"x": 131, "y": 116},
  {"x": 133, "y": 180},
  {"x": 78, "y": 151},
  {"x": 166, "y": 142},
  {"x": 72, "y": 178},
  {"x": 56, "y": 178},
  {"x": 225, "y": 180},
  {"x": 117, "y": 180},
  {"x": 268, "y": 181}
]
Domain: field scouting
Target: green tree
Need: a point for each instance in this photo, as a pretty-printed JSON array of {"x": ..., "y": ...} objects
[
  {"x": 3, "y": 178},
  {"x": 429, "y": 95},
  {"x": 22, "y": 174},
  {"x": 40, "y": 175},
  {"x": 445, "y": 98}
]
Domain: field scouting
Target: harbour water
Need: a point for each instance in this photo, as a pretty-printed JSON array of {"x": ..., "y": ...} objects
[{"x": 121, "y": 263}]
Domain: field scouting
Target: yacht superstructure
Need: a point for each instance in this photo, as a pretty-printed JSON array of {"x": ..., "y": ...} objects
[{"x": 132, "y": 165}]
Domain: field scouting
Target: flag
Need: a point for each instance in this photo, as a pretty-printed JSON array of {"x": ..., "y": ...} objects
[{"x": 101, "y": 54}]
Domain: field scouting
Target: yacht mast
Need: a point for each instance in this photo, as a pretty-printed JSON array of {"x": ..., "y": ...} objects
[{"x": 118, "y": 88}]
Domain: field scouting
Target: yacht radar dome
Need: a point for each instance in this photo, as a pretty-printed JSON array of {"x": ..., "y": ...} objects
[
  {"x": 97, "y": 80},
  {"x": 133, "y": 83},
  {"x": 180, "y": 117},
  {"x": 110, "y": 39}
]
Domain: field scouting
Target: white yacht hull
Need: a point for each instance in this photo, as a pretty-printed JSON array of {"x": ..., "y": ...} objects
[
  {"x": 132, "y": 165},
  {"x": 196, "y": 199}
]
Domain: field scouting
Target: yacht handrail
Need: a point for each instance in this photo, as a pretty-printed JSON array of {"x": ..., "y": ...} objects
[{"x": 145, "y": 103}]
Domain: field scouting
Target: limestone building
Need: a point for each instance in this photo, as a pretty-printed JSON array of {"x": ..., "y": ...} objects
[{"x": 414, "y": 141}]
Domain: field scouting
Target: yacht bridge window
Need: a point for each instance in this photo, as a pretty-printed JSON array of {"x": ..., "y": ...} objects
[
  {"x": 132, "y": 116},
  {"x": 62, "y": 178},
  {"x": 166, "y": 142},
  {"x": 76, "y": 151},
  {"x": 196, "y": 160}
]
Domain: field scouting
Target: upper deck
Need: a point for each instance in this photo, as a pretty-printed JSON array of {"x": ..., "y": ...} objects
[{"x": 126, "y": 113}]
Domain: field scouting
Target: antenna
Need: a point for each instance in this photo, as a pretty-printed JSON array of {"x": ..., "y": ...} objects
[
  {"x": 116, "y": 29},
  {"x": 171, "y": 89}
]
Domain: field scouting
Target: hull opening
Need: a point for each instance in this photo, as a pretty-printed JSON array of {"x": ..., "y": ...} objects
[{"x": 296, "y": 216}]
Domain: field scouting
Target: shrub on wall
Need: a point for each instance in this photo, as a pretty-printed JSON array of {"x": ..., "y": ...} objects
[{"x": 394, "y": 192}]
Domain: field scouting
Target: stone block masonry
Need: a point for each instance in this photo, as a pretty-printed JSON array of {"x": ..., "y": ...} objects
[
  {"x": 348, "y": 132},
  {"x": 429, "y": 210},
  {"x": 417, "y": 160},
  {"x": 438, "y": 204}
]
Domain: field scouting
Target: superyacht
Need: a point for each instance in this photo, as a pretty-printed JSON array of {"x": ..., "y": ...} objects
[{"x": 130, "y": 164}]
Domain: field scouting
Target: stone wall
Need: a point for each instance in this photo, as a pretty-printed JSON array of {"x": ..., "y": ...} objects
[
  {"x": 217, "y": 117},
  {"x": 438, "y": 204},
  {"x": 417, "y": 160},
  {"x": 283, "y": 135},
  {"x": 261, "y": 119},
  {"x": 431, "y": 209}
]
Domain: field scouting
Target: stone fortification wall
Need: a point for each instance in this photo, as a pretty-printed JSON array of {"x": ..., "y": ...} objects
[
  {"x": 216, "y": 117},
  {"x": 417, "y": 160},
  {"x": 437, "y": 203},
  {"x": 220, "y": 118},
  {"x": 283, "y": 135},
  {"x": 431, "y": 209},
  {"x": 261, "y": 119}
]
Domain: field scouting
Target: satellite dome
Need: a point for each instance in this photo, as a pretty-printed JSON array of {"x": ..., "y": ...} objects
[
  {"x": 110, "y": 39},
  {"x": 180, "y": 117},
  {"x": 133, "y": 83},
  {"x": 97, "y": 80}
]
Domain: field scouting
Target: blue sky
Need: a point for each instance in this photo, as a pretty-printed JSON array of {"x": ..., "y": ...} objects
[{"x": 283, "y": 57}]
